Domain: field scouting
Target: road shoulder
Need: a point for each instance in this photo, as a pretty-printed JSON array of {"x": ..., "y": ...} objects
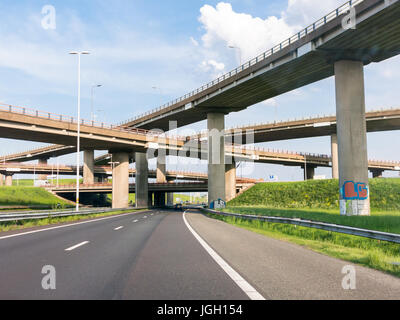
[{"x": 282, "y": 270}]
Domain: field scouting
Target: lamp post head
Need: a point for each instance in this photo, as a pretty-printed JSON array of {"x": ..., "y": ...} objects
[{"x": 79, "y": 52}]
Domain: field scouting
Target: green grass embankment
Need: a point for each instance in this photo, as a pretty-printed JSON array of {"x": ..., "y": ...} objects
[
  {"x": 319, "y": 201},
  {"x": 30, "y": 197}
]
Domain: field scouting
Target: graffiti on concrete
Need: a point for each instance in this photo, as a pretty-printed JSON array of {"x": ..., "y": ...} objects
[{"x": 354, "y": 191}]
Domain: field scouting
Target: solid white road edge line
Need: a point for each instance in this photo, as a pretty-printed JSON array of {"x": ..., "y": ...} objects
[
  {"x": 67, "y": 225},
  {"x": 247, "y": 288},
  {"x": 77, "y": 246}
]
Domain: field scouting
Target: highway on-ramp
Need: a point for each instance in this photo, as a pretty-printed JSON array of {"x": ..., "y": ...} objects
[{"x": 167, "y": 255}]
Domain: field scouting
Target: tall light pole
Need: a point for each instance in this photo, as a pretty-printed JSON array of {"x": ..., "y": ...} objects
[
  {"x": 240, "y": 52},
  {"x": 92, "y": 101},
  {"x": 78, "y": 160}
]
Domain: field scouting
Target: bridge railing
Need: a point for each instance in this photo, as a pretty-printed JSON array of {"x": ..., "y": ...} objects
[
  {"x": 68, "y": 119},
  {"x": 293, "y": 39}
]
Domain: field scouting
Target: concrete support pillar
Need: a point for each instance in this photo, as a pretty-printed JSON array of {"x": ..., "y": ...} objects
[
  {"x": 159, "y": 199},
  {"x": 9, "y": 180},
  {"x": 161, "y": 178},
  {"x": 216, "y": 157},
  {"x": 377, "y": 173},
  {"x": 142, "y": 180},
  {"x": 43, "y": 161},
  {"x": 1, "y": 180},
  {"x": 88, "y": 167},
  {"x": 335, "y": 157},
  {"x": 352, "y": 138},
  {"x": 230, "y": 181},
  {"x": 170, "y": 198},
  {"x": 120, "y": 192},
  {"x": 161, "y": 169},
  {"x": 310, "y": 173}
]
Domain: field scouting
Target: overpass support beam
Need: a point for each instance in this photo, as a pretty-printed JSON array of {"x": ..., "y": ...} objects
[
  {"x": 43, "y": 161},
  {"x": 120, "y": 190},
  {"x": 352, "y": 138},
  {"x": 9, "y": 180},
  {"x": 170, "y": 198},
  {"x": 335, "y": 157},
  {"x": 88, "y": 167},
  {"x": 142, "y": 180},
  {"x": 216, "y": 157},
  {"x": 377, "y": 173},
  {"x": 230, "y": 181},
  {"x": 161, "y": 177},
  {"x": 310, "y": 173}
]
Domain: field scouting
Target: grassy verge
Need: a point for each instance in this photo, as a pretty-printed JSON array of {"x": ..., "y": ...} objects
[
  {"x": 386, "y": 221},
  {"x": 19, "y": 225},
  {"x": 317, "y": 194},
  {"x": 30, "y": 197},
  {"x": 371, "y": 253}
]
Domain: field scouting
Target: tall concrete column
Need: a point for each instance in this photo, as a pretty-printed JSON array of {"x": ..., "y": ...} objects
[
  {"x": 170, "y": 198},
  {"x": 161, "y": 178},
  {"x": 43, "y": 161},
  {"x": 120, "y": 192},
  {"x": 142, "y": 180},
  {"x": 88, "y": 167},
  {"x": 1, "y": 180},
  {"x": 9, "y": 180},
  {"x": 230, "y": 181},
  {"x": 352, "y": 138},
  {"x": 335, "y": 157},
  {"x": 216, "y": 157}
]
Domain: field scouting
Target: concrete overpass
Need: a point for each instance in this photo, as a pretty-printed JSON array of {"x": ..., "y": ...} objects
[
  {"x": 376, "y": 121},
  {"x": 328, "y": 47},
  {"x": 304, "y": 58},
  {"x": 155, "y": 190},
  {"x": 341, "y": 44}
]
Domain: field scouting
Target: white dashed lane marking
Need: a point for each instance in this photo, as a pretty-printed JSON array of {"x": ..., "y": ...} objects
[{"x": 77, "y": 246}]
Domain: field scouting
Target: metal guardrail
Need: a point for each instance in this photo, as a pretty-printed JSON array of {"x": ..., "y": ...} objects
[
  {"x": 343, "y": 9},
  {"x": 371, "y": 234},
  {"x": 33, "y": 215}
]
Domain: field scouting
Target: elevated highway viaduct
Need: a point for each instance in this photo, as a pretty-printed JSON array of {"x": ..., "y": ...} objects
[
  {"x": 376, "y": 121},
  {"x": 340, "y": 44},
  {"x": 328, "y": 47},
  {"x": 21, "y": 123}
]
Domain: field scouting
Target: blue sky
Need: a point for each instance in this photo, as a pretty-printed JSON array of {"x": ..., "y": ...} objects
[{"x": 174, "y": 46}]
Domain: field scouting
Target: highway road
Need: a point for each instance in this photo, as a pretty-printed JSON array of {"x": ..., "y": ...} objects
[{"x": 165, "y": 255}]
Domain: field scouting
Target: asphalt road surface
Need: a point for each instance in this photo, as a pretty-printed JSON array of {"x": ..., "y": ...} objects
[{"x": 154, "y": 255}]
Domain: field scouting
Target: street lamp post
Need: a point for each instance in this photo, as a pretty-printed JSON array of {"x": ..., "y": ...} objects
[
  {"x": 78, "y": 160},
  {"x": 240, "y": 52},
  {"x": 92, "y": 101}
]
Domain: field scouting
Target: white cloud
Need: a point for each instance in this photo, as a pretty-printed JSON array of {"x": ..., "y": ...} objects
[
  {"x": 301, "y": 13},
  {"x": 251, "y": 34},
  {"x": 270, "y": 102},
  {"x": 194, "y": 41}
]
